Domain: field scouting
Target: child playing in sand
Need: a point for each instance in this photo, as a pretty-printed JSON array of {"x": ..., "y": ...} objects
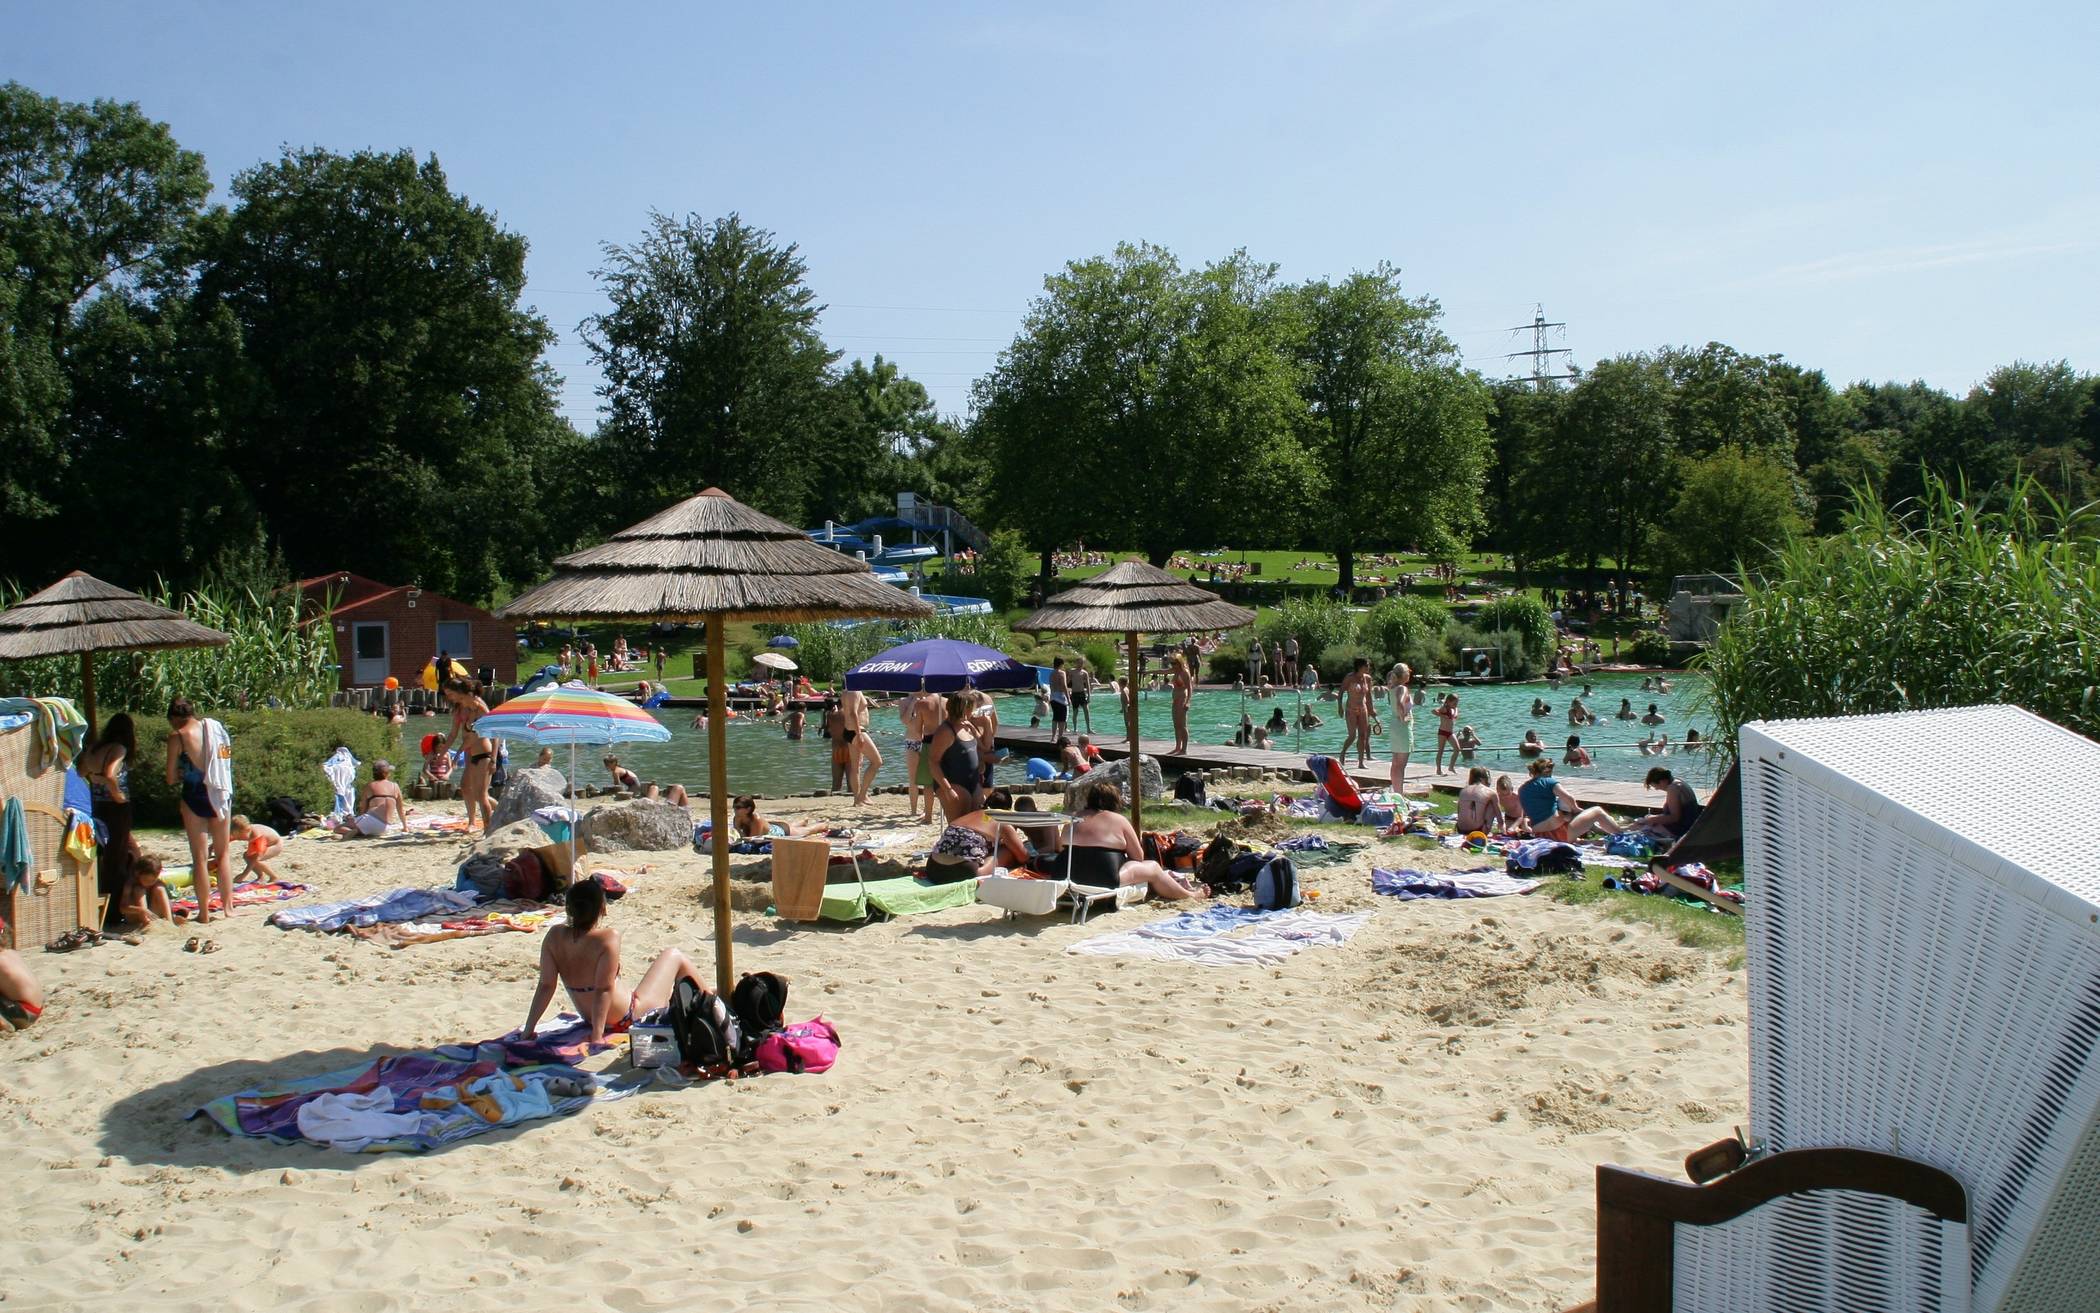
[
  {"x": 144, "y": 896},
  {"x": 259, "y": 843}
]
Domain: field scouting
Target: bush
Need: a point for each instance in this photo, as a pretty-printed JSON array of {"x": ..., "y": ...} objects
[
  {"x": 1228, "y": 663},
  {"x": 1649, "y": 648},
  {"x": 1514, "y": 662},
  {"x": 276, "y": 754},
  {"x": 1004, "y": 570},
  {"x": 1409, "y": 629},
  {"x": 1318, "y": 623},
  {"x": 1949, "y": 606},
  {"x": 1528, "y": 618},
  {"x": 1338, "y": 660},
  {"x": 1100, "y": 657}
]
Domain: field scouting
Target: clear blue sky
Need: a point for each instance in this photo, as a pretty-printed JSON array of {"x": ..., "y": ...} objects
[{"x": 1879, "y": 191}]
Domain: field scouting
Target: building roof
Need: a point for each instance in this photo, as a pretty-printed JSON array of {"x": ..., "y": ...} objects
[{"x": 373, "y": 591}]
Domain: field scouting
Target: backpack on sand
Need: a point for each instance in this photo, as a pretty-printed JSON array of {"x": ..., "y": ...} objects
[
  {"x": 1276, "y": 884},
  {"x": 804, "y": 1049},
  {"x": 705, "y": 1031},
  {"x": 758, "y": 1001}
]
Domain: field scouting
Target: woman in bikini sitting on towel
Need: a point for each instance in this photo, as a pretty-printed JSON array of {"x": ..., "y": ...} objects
[
  {"x": 1106, "y": 852},
  {"x": 744, "y": 816},
  {"x": 584, "y": 956}
]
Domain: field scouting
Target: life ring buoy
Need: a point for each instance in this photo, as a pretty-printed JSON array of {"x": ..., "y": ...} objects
[{"x": 1482, "y": 663}]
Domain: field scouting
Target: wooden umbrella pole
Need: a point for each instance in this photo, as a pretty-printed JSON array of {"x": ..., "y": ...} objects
[
  {"x": 718, "y": 801},
  {"x": 1136, "y": 775},
  {"x": 87, "y": 691}
]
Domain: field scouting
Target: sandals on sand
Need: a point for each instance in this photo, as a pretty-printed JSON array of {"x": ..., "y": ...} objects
[
  {"x": 73, "y": 940},
  {"x": 193, "y": 945}
]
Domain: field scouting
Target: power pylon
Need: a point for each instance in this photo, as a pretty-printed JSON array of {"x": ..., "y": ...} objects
[{"x": 1543, "y": 375}]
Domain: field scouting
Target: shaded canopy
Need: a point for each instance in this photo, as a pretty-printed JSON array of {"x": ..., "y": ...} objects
[
  {"x": 1136, "y": 597},
  {"x": 82, "y": 614},
  {"x": 712, "y": 555}
]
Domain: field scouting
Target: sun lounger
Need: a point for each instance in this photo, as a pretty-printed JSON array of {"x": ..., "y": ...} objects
[
  {"x": 1041, "y": 897},
  {"x": 800, "y": 867}
]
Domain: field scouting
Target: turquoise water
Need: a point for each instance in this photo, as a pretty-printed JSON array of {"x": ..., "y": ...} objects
[{"x": 763, "y": 760}]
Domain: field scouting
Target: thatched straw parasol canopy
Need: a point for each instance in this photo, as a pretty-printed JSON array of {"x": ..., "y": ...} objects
[
  {"x": 80, "y": 613},
  {"x": 711, "y": 555},
  {"x": 1135, "y": 597}
]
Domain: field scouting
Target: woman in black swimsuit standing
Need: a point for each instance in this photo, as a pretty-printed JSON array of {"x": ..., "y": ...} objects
[
  {"x": 468, "y": 707},
  {"x": 955, "y": 759}
]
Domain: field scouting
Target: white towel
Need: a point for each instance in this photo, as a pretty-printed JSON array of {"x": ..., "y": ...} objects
[
  {"x": 341, "y": 770},
  {"x": 1270, "y": 940},
  {"x": 351, "y": 1121},
  {"x": 218, "y": 766}
]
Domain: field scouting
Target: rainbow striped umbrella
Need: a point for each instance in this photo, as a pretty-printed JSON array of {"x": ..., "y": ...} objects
[{"x": 573, "y": 714}]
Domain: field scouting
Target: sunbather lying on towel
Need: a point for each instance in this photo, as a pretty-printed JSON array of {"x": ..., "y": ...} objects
[
  {"x": 1106, "y": 851},
  {"x": 744, "y": 816},
  {"x": 584, "y": 956}
]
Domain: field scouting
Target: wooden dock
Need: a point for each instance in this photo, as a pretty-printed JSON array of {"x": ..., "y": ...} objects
[{"x": 1619, "y": 795}]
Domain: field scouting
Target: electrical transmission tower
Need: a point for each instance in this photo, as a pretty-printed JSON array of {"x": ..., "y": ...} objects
[{"x": 1545, "y": 370}]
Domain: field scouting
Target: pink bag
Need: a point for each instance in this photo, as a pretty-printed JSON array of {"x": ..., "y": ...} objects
[{"x": 810, "y": 1047}]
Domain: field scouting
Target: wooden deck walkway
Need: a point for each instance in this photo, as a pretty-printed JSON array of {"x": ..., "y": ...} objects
[{"x": 1619, "y": 795}]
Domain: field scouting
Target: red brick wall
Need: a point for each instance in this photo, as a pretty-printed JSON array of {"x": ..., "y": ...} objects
[{"x": 412, "y": 637}]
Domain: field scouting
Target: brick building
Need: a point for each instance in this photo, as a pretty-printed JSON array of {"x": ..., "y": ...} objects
[{"x": 383, "y": 630}]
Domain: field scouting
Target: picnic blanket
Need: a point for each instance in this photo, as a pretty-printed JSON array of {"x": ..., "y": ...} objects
[
  {"x": 1221, "y": 935},
  {"x": 494, "y": 918},
  {"x": 244, "y": 895},
  {"x": 902, "y": 896},
  {"x": 1486, "y": 882},
  {"x": 375, "y": 909}
]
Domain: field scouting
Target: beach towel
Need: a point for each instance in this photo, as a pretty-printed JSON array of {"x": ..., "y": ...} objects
[
  {"x": 375, "y": 909},
  {"x": 341, "y": 770},
  {"x": 15, "y": 856},
  {"x": 218, "y": 766},
  {"x": 1487, "y": 882},
  {"x": 903, "y": 896},
  {"x": 57, "y": 731},
  {"x": 244, "y": 895},
  {"x": 500, "y": 917},
  {"x": 1221, "y": 936}
]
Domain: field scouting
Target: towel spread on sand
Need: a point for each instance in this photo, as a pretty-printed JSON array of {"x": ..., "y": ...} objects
[
  {"x": 244, "y": 895},
  {"x": 1487, "y": 882},
  {"x": 1212, "y": 937},
  {"x": 488, "y": 919},
  {"x": 375, "y": 909}
]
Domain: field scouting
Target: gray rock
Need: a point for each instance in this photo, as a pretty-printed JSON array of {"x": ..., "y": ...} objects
[
  {"x": 527, "y": 791},
  {"x": 641, "y": 826},
  {"x": 1118, "y": 774}
]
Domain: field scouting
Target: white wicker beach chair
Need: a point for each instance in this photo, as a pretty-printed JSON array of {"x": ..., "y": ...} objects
[{"x": 1924, "y": 962}]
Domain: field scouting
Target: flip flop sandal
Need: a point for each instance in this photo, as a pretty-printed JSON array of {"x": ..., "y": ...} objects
[
  {"x": 193, "y": 945},
  {"x": 210, "y": 946}
]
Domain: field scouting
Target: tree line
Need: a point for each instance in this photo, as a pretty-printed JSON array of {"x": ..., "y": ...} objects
[{"x": 338, "y": 368}]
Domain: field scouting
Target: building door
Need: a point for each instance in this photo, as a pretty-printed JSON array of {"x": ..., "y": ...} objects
[{"x": 368, "y": 652}]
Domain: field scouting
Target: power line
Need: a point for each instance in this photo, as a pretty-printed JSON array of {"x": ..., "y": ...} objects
[{"x": 1541, "y": 355}]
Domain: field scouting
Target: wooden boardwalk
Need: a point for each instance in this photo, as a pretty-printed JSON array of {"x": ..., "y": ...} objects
[{"x": 1619, "y": 795}]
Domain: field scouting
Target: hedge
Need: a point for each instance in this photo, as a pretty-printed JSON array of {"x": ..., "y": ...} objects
[{"x": 275, "y": 754}]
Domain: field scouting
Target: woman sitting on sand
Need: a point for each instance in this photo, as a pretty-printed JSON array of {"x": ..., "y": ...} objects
[
  {"x": 1106, "y": 852},
  {"x": 1509, "y": 808},
  {"x": 584, "y": 956},
  {"x": 974, "y": 844},
  {"x": 743, "y": 815},
  {"x": 1681, "y": 806},
  {"x": 381, "y": 809}
]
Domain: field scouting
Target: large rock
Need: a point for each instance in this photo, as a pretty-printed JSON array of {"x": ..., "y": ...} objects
[
  {"x": 526, "y": 791},
  {"x": 1118, "y": 774},
  {"x": 640, "y": 826}
]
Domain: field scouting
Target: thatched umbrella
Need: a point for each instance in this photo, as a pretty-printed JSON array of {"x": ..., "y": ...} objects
[
  {"x": 712, "y": 559},
  {"x": 82, "y": 614},
  {"x": 1130, "y": 599}
]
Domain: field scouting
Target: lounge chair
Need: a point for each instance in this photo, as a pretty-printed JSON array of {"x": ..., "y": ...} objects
[{"x": 800, "y": 867}]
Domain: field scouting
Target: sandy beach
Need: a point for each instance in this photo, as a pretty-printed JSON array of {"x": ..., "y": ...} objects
[{"x": 1411, "y": 1121}]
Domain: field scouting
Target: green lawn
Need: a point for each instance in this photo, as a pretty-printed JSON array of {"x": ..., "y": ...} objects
[{"x": 1685, "y": 919}]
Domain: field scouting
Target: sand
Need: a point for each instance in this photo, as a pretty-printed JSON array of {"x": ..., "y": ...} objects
[{"x": 1410, "y": 1122}]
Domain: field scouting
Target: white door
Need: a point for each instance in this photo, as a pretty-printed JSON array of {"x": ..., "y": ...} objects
[{"x": 368, "y": 652}]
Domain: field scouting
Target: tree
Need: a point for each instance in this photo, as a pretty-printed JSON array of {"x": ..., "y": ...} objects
[
  {"x": 1138, "y": 400},
  {"x": 93, "y": 197},
  {"x": 1723, "y": 398},
  {"x": 1385, "y": 398},
  {"x": 1523, "y": 492},
  {"x": 874, "y": 417},
  {"x": 1613, "y": 441},
  {"x": 384, "y": 355},
  {"x": 715, "y": 373},
  {"x": 1733, "y": 508},
  {"x": 1002, "y": 570}
]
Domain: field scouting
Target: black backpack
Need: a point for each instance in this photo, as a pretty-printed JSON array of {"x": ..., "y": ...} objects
[
  {"x": 1238, "y": 874},
  {"x": 1191, "y": 788},
  {"x": 705, "y": 1031},
  {"x": 758, "y": 1001},
  {"x": 1276, "y": 883},
  {"x": 284, "y": 815}
]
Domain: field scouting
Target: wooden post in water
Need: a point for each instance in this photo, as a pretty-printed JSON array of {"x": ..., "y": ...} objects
[
  {"x": 1134, "y": 777},
  {"x": 718, "y": 800}
]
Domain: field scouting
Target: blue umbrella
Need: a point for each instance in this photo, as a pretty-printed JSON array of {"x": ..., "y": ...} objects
[
  {"x": 941, "y": 665},
  {"x": 783, "y": 640}
]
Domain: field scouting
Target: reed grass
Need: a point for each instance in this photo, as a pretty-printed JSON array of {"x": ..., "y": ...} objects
[{"x": 1935, "y": 603}]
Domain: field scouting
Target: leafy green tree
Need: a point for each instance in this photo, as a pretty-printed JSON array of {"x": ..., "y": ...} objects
[
  {"x": 384, "y": 357},
  {"x": 93, "y": 198},
  {"x": 1855, "y": 462},
  {"x": 1733, "y": 508},
  {"x": 1526, "y": 618},
  {"x": 1722, "y": 398},
  {"x": 1395, "y": 426},
  {"x": 2024, "y": 406},
  {"x": 715, "y": 373},
  {"x": 1523, "y": 493},
  {"x": 1612, "y": 447},
  {"x": 875, "y": 417},
  {"x": 1002, "y": 570}
]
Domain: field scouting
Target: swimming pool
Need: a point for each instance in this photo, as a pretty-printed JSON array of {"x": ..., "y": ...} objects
[{"x": 763, "y": 760}]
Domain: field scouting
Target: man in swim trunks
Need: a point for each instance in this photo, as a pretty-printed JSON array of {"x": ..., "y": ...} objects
[
  {"x": 921, "y": 714},
  {"x": 1287, "y": 666},
  {"x": 1356, "y": 712},
  {"x": 1082, "y": 695},
  {"x": 860, "y": 745}
]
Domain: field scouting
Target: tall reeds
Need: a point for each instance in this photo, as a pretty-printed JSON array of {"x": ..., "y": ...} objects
[{"x": 1935, "y": 603}]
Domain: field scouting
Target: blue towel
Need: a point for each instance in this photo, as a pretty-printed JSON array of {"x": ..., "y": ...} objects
[{"x": 14, "y": 846}]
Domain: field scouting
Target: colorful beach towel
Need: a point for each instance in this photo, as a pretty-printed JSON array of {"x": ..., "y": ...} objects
[
  {"x": 244, "y": 895},
  {"x": 376, "y": 909},
  {"x": 903, "y": 896},
  {"x": 494, "y": 918},
  {"x": 1487, "y": 882},
  {"x": 1220, "y": 936}
]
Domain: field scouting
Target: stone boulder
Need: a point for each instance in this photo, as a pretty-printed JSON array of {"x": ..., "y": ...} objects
[
  {"x": 640, "y": 826},
  {"x": 1118, "y": 774},
  {"x": 526, "y": 791}
]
